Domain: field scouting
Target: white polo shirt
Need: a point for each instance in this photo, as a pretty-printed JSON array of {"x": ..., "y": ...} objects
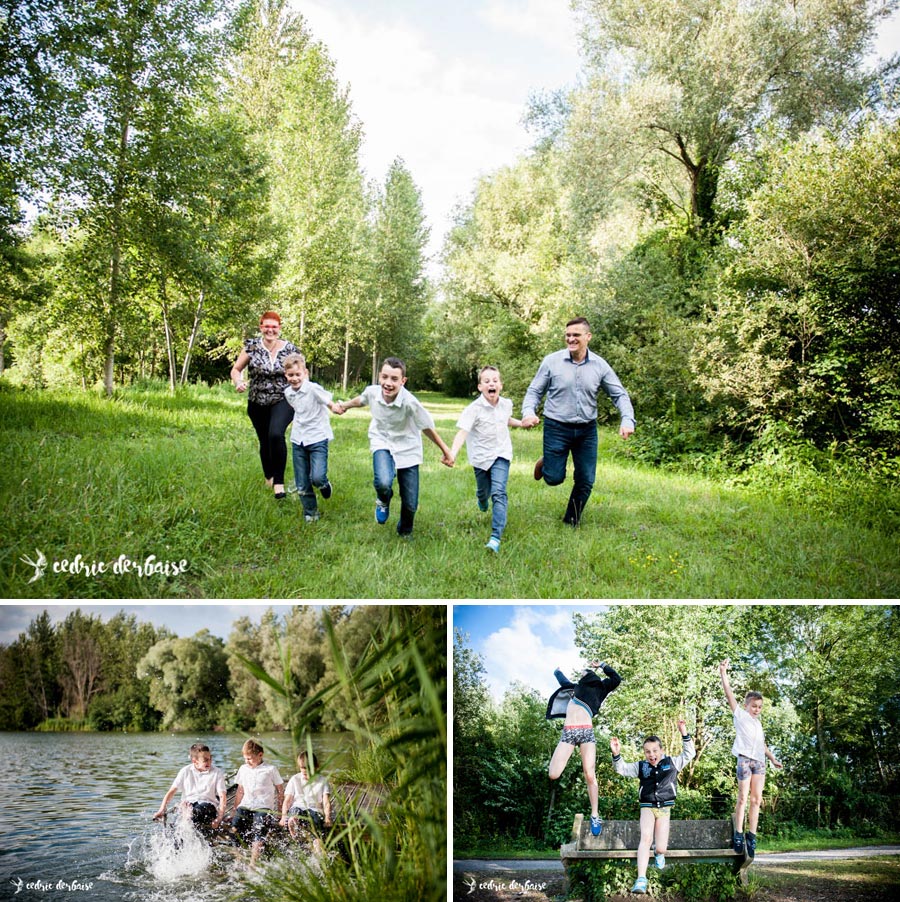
[
  {"x": 308, "y": 794},
  {"x": 311, "y": 421},
  {"x": 200, "y": 786},
  {"x": 488, "y": 428},
  {"x": 749, "y": 740},
  {"x": 397, "y": 427},
  {"x": 259, "y": 785}
]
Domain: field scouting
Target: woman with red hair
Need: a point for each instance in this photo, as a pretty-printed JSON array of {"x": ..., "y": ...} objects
[{"x": 267, "y": 408}]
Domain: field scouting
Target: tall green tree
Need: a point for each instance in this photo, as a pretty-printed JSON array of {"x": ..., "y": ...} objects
[
  {"x": 674, "y": 87},
  {"x": 286, "y": 88},
  {"x": 188, "y": 680},
  {"x": 399, "y": 289},
  {"x": 139, "y": 69}
]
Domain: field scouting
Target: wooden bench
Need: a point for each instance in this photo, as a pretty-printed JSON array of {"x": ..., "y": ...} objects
[{"x": 695, "y": 841}]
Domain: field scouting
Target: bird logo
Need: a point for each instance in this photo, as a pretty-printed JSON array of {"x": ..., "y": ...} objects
[
  {"x": 40, "y": 565},
  {"x": 18, "y": 883}
]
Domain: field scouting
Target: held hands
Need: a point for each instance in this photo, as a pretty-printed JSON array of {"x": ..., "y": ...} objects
[
  {"x": 528, "y": 422},
  {"x": 615, "y": 746},
  {"x": 338, "y": 408},
  {"x": 447, "y": 460}
]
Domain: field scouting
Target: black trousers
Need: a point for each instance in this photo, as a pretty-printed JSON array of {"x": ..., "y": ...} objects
[{"x": 270, "y": 423}]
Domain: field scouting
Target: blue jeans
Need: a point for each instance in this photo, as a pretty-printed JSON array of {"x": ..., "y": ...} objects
[
  {"x": 310, "y": 471},
  {"x": 579, "y": 439},
  {"x": 491, "y": 484},
  {"x": 408, "y": 483}
]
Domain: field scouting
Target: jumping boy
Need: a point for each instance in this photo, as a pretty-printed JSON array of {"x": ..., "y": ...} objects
[
  {"x": 258, "y": 798},
  {"x": 658, "y": 777},
  {"x": 579, "y": 703},
  {"x": 751, "y": 752},
  {"x": 310, "y": 434},
  {"x": 484, "y": 427},
  {"x": 395, "y": 440},
  {"x": 202, "y": 788}
]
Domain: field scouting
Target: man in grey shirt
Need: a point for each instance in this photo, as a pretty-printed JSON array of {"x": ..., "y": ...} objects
[{"x": 569, "y": 381}]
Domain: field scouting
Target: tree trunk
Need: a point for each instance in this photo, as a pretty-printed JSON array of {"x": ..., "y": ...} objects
[
  {"x": 345, "y": 378},
  {"x": 195, "y": 331}
]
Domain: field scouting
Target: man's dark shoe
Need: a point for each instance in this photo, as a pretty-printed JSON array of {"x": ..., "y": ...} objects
[
  {"x": 539, "y": 469},
  {"x": 738, "y": 841}
]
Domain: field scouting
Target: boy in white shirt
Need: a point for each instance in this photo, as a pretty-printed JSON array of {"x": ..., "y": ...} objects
[
  {"x": 258, "y": 798},
  {"x": 395, "y": 440},
  {"x": 484, "y": 427},
  {"x": 310, "y": 434},
  {"x": 751, "y": 752},
  {"x": 308, "y": 801},
  {"x": 202, "y": 788}
]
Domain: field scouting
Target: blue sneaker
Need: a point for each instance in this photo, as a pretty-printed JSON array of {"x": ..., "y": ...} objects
[
  {"x": 382, "y": 511},
  {"x": 596, "y": 825},
  {"x": 660, "y": 861},
  {"x": 640, "y": 886},
  {"x": 494, "y": 544}
]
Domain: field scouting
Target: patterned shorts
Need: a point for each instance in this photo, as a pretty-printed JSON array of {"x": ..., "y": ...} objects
[
  {"x": 747, "y": 766},
  {"x": 578, "y": 735}
]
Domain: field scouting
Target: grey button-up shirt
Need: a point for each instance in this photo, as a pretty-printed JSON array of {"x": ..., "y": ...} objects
[{"x": 570, "y": 389}]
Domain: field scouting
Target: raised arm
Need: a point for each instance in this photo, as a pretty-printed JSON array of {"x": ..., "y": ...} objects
[{"x": 729, "y": 695}]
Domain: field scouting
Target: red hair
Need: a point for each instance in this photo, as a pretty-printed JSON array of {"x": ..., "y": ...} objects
[{"x": 270, "y": 314}]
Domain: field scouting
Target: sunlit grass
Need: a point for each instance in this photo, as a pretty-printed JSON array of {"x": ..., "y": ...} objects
[{"x": 177, "y": 477}]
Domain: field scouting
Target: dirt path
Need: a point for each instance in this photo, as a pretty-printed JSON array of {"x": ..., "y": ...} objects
[{"x": 783, "y": 877}]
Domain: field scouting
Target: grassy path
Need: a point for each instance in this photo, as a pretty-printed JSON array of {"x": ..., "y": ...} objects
[{"x": 177, "y": 478}]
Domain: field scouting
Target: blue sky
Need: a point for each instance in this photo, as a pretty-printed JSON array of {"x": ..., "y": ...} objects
[
  {"x": 444, "y": 83},
  {"x": 183, "y": 619},
  {"x": 522, "y": 642}
]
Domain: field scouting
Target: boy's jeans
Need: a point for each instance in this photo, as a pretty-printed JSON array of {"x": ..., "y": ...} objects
[
  {"x": 310, "y": 470},
  {"x": 581, "y": 440},
  {"x": 408, "y": 483},
  {"x": 491, "y": 484}
]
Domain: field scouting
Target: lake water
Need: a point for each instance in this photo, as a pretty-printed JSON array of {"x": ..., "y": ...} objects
[{"x": 76, "y": 816}]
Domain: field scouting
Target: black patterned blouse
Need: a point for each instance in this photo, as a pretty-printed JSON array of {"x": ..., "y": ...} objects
[{"x": 267, "y": 379}]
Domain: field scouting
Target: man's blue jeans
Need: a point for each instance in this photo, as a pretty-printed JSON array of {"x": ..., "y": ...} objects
[
  {"x": 491, "y": 484},
  {"x": 407, "y": 482},
  {"x": 310, "y": 470},
  {"x": 579, "y": 439}
]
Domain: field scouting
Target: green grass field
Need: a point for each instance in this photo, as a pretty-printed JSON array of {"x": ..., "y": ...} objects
[{"x": 178, "y": 478}]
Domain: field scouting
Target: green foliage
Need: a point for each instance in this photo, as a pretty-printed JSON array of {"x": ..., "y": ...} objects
[
  {"x": 701, "y": 882},
  {"x": 596, "y": 881},
  {"x": 399, "y": 685},
  {"x": 804, "y": 328}
]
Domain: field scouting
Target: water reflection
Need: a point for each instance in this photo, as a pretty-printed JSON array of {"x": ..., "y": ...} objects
[{"x": 78, "y": 811}]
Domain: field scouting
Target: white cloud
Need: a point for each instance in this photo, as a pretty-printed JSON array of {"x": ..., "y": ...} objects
[
  {"x": 449, "y": 103},
  {"x": 529, "y": 649},
  {"x": 547, "y": 21}
]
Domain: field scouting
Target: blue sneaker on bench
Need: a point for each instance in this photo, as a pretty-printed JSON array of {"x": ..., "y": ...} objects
[
  {"x": 640, "y": 886},
  {"x": 596, "y": 825}
]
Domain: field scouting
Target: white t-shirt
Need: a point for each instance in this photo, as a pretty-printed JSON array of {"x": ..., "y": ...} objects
[
  {"x": 200, "y": 786},
  {"x": 488, "y": 428},
  {"x": 311, "y": 421},
  {"x": 259, "y": 785},
  {"x": 397, "y": 427},
  {"x": 749, "y": 740},
  {"x": 308, "y": 794}
]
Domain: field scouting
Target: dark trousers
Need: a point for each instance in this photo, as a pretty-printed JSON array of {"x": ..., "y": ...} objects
[
  {"x": 270, "y": 423},
  {"x": 579, "y": 440}
]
